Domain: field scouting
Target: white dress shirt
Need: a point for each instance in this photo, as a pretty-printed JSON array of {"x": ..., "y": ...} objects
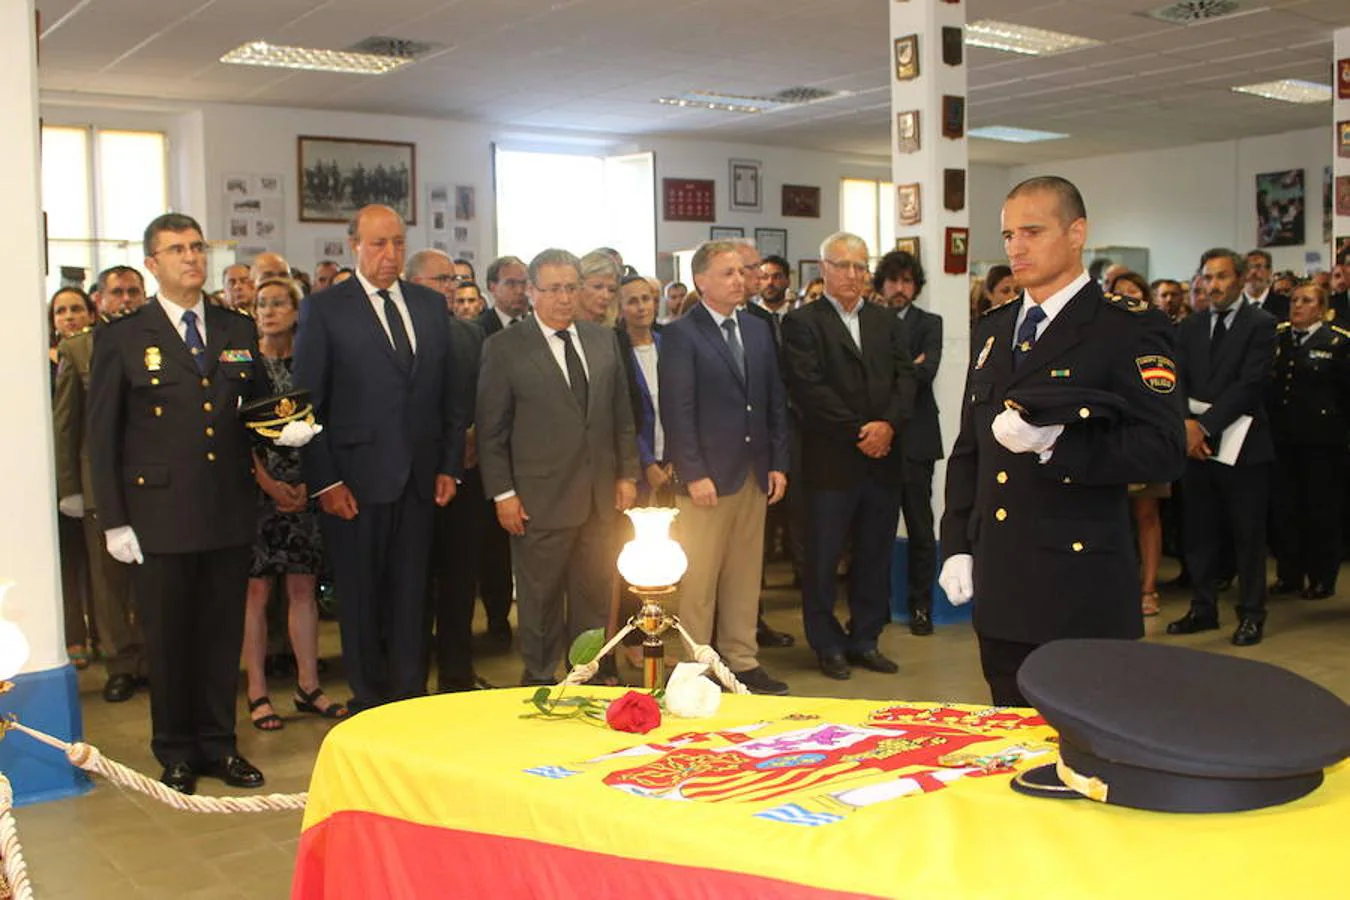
[
  {"x": 377, "y": 302},
  {"x": 850, "y": 319},
  {"x": 646, "y": 355},
  {"x": 555, "y": 346},
  {"x": 1052, "y": 305},
  {"x": 1227, "y": 315},
  {"x": 1258, "y": 302},
  {"x": 506, "y": 320},
  {"x": 175, "y": 314}
]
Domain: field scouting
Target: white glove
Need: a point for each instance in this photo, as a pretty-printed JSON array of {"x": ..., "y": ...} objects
[
  {"x": 122, "y": 545},
  {"x": 958, "y": 578},
  {"x": 1020, "y": 436},
  {"x": 297, "y": 434},
  {"x": 72, "y": 506}
]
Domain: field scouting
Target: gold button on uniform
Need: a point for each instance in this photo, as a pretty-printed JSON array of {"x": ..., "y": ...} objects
[
  {"x": 1077, "y": 546},
  {"x": 1068, "y": 480},
  {"x": 206, "y": 382},
  {"x": 1084, "y": 412},
  {"x": 210, "y": 457},
  {"x": 210, "y": 432},
  {"x": 207, "y": 406},
  {"x": 159, "y": 411},
  {"x": 1001, "y": 477},
  {"x": 140, "y": 479},
  {"x": 154, "y": 381},
  {"x": 1000, "y": 514}
]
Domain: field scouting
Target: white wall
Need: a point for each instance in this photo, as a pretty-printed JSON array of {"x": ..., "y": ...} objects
[{"x": 1181, "y": 201}]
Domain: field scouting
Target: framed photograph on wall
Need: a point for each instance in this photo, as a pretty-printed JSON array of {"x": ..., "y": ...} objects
[
  {"x": 801, "y": 201},
  {"x": 1280, "y": 208},
  {"x": 808, "y": 270},
  {"x": 724, "y": 232},
  {"x": 771, "y": 241},
  {"x": 338, "y": 176},
  {"x": 746, "y": 188},
  {"x": 1343, "y": 140},
  {"x": 908, "y": 245}
]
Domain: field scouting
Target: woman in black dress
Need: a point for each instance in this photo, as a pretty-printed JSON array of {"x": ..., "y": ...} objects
[{"x": 287, "y": 544}]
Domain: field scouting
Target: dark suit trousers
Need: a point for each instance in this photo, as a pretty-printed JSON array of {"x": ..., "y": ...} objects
[
  {"x": 563, "y": 580},
  {"x": 867, "y": 514},
  {"x": 1220, "y": 497},
  {"x": 1000, "y": 661},
  {"x": 916, "y": 504},
  {"x": 494, "y": 564},
  {"x": 192, "y": 611},
  {"x": 1306, "y": 492},
  {"x": 380, "y": 562},
  {"x": 460, "y": 528}
]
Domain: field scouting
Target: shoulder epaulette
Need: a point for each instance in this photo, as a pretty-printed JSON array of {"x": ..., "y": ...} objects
[
  {"x": 1283, "y": 326},
  {"x": 123, "y": 317},
  {"x": 1341, "y": 331},
  {"x": 1129, "y": 304},
  {"x": 1004, "y": 305}
]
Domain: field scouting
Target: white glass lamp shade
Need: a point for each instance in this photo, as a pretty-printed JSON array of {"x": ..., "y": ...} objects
[
  {"x": 652, "y": 559},
  {"x": 13, "y": 645}
]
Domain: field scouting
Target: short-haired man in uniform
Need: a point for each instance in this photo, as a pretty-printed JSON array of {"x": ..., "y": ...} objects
[{"x": 1037, "y": 525}]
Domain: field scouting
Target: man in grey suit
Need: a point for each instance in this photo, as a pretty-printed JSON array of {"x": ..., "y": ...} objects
[
  {"x": 558, "y": 452},
  {"x": 899, "y": 279}
]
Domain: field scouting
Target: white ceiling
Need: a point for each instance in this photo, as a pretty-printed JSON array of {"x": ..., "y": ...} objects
[{"x": 598, "y": 65}]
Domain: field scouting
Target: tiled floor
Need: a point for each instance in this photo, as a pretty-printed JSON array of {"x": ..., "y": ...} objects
[{"x": 110, "y": 844}]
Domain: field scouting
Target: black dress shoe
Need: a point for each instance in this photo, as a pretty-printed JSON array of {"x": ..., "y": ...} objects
[
  {"x": 180, "y": 777},
  {"x": 761, "y": 682},
  {"x": 833, "y": 665},
  {"x": 874, "y": 660},
  {"x": 119, "y": 688},
  {"x": 234, "y": 771},
  {"x": 1247, "y": 633},
  {"x": 921, "y": 622},
  {"x": 767, "y": 637},
  {"x": 1190, "y": 624},
  {"x": 1223, "y": 584},
  {"x": 1280, "y": 586},
  {"x": 1318, "y": 592}
]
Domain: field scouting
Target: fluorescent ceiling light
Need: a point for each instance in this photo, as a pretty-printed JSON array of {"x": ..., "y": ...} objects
[
  {"x": 1013, "y": 135},
  {"x": 723, "y": 102},
  {"x": 1290, "y": 90},
  {"x": 1021, "y": 39},
  {"x": 261, "y": 53}
]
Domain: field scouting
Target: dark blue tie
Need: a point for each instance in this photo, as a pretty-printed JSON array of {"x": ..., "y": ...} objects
[
  {"x": 1026, "y": 335},
  {"x": 734, "y": 343},
  {"x": 193, "y": 338}
]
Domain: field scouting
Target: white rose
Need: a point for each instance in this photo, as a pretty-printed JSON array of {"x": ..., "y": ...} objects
[{"x": 689, "y": 695}]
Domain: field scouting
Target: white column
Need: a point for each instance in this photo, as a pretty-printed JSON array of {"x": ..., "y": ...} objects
[
  {"x": 946, "y": 294},
  {"x": 44, "y": 695},
  {"x": 1340, "y": 151}
]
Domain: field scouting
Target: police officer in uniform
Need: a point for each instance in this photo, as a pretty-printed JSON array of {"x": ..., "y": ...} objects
[
  {"x": 172, "y": 474},
  {"x": 1309, "y": 407},
  {"x": 1037, "y": 522}
]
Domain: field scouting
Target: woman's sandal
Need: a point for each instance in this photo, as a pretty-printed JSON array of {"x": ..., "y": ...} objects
[
  {"x": 1149, "y": 603},
  {"x": 305, "y": 703},
  {"x": 269, "y": 722}
]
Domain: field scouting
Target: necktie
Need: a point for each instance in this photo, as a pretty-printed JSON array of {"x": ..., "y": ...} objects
[
  {"x": 1299, "y": 338},
  {"x": 193, "y": 339},
  {"x": 734, "y": 343},
  {"x": 576, "y": 372},
  {"x": 1026, "y": 335},
  {"x": 514, "y": 320},
  {"x": 397, "y": 332},
  {"x": 1220, "y": 331}
]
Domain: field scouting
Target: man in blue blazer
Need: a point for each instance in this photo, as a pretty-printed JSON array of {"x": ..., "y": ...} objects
[
  {"x": 725, "y": 419},
  {"x": 374, "y": 353}
]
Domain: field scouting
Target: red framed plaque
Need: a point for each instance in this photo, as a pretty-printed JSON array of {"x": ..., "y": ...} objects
[{"x": 688, "y": 200}]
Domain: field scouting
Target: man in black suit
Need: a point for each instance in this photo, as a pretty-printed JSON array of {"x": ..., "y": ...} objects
[
  {"x": 899, "y": 280},
  {"x": 1256, "y": 292},
  {"x": 458, "y": 542},
  {"x": 722, "y": 407},
  {"x": 374, "y": 353},
  {"x": 507, "y": 281},
  {"x": 1037, "y": 526},
  {"x": 1224, "y": 356},
  {"x": 1339, "y": 303},
  {"x": 1309, "y": 405},
  {"x": 172, "y": 471},
  {"x": 851, "y": 377}
]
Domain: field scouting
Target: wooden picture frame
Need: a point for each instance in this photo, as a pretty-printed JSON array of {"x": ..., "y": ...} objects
[
  {"x": 908, "y": 203},
  {"x": 954, "y": 189},
  {"x": 688, "y": 200},
  {"x": 908, "y": 138},
  {"x": 953, "y": 116},
  {"x": 801, "y": 201},
  {"x": 907, "y": 57},
  {"x": 335, "y": 177},
  {"x": 908, "y": 245},
  {"x": 746, "y": 192}
]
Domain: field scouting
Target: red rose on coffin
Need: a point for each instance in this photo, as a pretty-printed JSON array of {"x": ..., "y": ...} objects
[{"x": 633, "y": 712}]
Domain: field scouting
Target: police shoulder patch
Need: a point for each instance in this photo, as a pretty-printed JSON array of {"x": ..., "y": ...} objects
[
  {"x": 1129, "y": 304},
  {"x": 1283, "y": 326},
  {"x": 1158, "y": 372}
]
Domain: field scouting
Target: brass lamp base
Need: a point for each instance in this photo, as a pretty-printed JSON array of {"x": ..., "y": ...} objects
[{"x": 653, "y": 621}]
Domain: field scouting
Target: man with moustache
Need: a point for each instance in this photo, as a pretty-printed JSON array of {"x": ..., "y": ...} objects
[
  {"x": 376, "y": 358},
  {"x": 1224, "y": 358},
  {"x": 1256, "y": 291},
  {"x": 899, "y": 280},
  {"x": 1037, "y": 526},
  {"x": 559, "y": 455}
]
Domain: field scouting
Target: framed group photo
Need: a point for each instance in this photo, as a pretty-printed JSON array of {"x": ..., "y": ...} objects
[{"x": 338, "y": 176}]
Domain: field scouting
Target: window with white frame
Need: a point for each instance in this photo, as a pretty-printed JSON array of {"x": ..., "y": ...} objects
[{"x": 867, "y": 209}]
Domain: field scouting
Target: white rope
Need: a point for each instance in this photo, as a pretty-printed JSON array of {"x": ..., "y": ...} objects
[
  {"x": 584, "y": 672},
  {"x": 708, "y": 656},
  {"x": 87, "y": 757},
  {"x": 15, "y": 878}
]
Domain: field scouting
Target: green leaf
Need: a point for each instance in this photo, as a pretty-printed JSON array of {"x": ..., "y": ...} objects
[
  {"x": 586, "y": 647},
  {"x": 540, "y": 698}
]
